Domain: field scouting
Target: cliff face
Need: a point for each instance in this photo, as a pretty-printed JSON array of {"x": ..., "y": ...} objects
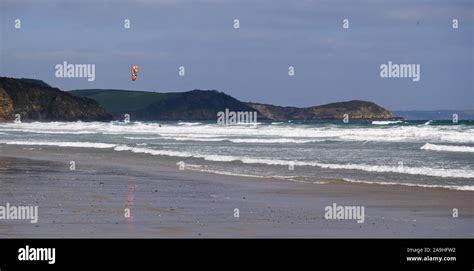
[
  {"x": 6, "y": 106},
  {"x": 36, "y": 101}
]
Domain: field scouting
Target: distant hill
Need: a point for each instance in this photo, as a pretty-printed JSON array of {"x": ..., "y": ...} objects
[
  {"x": 204, "y": 105},
  {"x": 436, "y": 114},
  {"x": 358, "y": 110},
  {"x": 141, "y": 105},
  {"x": 35, "y": 100}
]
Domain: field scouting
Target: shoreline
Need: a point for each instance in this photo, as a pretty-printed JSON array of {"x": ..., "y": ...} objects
[
  {"x": 167, "y": 202},
  {"x": 127, "y": 151}
]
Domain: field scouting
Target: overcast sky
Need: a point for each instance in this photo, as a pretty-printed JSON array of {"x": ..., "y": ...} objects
[{"x": 251, "y": 63}]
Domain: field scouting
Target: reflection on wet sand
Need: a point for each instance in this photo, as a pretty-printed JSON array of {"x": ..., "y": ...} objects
[{"x": 130, "y": 202}]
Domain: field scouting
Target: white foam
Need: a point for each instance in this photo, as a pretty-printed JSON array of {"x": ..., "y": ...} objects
[
  {"x": 243, "y": 140},
  {"x": 189, "y": 123},
  {"x": 62, "y": 144},
  {"x": 385, "y": 122},
  {"x": 288, "y": 178},
  {"x": 228, "y": 173},
  {"x": 434, "y": 172},
  {"x": 57, "y": 132},
  {"x": 191, "y": 138},
  {"x": 141, "y": 138},
  {"x": 153, "y": 152},
  {"x": 277, "y": 140},
  {"x": 446, "y": 148},
  {"x": 453, "y": 187},
  {"x": 382, "y": 133},
  {"x": 425, "y": 171}
]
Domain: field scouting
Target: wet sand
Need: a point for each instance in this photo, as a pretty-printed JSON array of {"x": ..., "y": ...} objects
[{"x": 166, "y": 202}]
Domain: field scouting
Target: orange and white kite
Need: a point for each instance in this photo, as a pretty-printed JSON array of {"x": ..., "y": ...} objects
[{"x": 135, "y": 70}]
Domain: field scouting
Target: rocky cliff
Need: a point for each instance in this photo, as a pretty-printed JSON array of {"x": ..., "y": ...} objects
[
  {"x": 6, "y": 106},
  {"x": 34, "y": 100}
]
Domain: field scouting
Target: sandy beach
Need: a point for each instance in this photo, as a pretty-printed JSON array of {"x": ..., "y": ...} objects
[{"x": 166, "y": 202}]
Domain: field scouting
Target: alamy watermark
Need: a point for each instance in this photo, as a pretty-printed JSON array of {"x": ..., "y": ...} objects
[
  {"x": 126, "y": 118},
  {"x": 17, "y": 118},
  {"x": 339, "y": 212},
  {"x": 455, "y": 118},
  {"x": 126, "y": 24},
  {"x": 37, "y": 254},
  {"x": 236, "y": 23},
  {"x": 13, "y": 212},
  {"x": 228, "y": 117},
  {"x": 181, "y": 165},
  {"x": 236, "y": 213},
  {"x": 392, "y": 70},
  {"x": 65, "y": 70},
  {"x": 17, "y": 23},
  {"x": 345, "y": 118}
]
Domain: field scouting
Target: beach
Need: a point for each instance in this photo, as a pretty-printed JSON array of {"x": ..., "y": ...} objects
[{"x": 164, "y": 202}]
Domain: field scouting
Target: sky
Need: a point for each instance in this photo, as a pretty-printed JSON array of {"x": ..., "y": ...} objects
[{"x": 250, "y": 63}]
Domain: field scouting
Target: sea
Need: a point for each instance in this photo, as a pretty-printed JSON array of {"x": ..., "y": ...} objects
[{"x": 432, "y": 154}]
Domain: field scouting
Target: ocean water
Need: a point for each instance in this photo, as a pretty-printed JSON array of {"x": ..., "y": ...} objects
[{"x": 412, "y": 153}]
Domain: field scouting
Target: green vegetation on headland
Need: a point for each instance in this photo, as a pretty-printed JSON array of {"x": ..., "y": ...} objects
[
  {"x": 35, "y": 100},
  {"x": 205, "y": 104}
]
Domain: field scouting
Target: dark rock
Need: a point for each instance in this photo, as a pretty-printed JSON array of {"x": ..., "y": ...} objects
[
  {"x": 34, "y": 100},
  {"x": 6, "y": 106}
]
